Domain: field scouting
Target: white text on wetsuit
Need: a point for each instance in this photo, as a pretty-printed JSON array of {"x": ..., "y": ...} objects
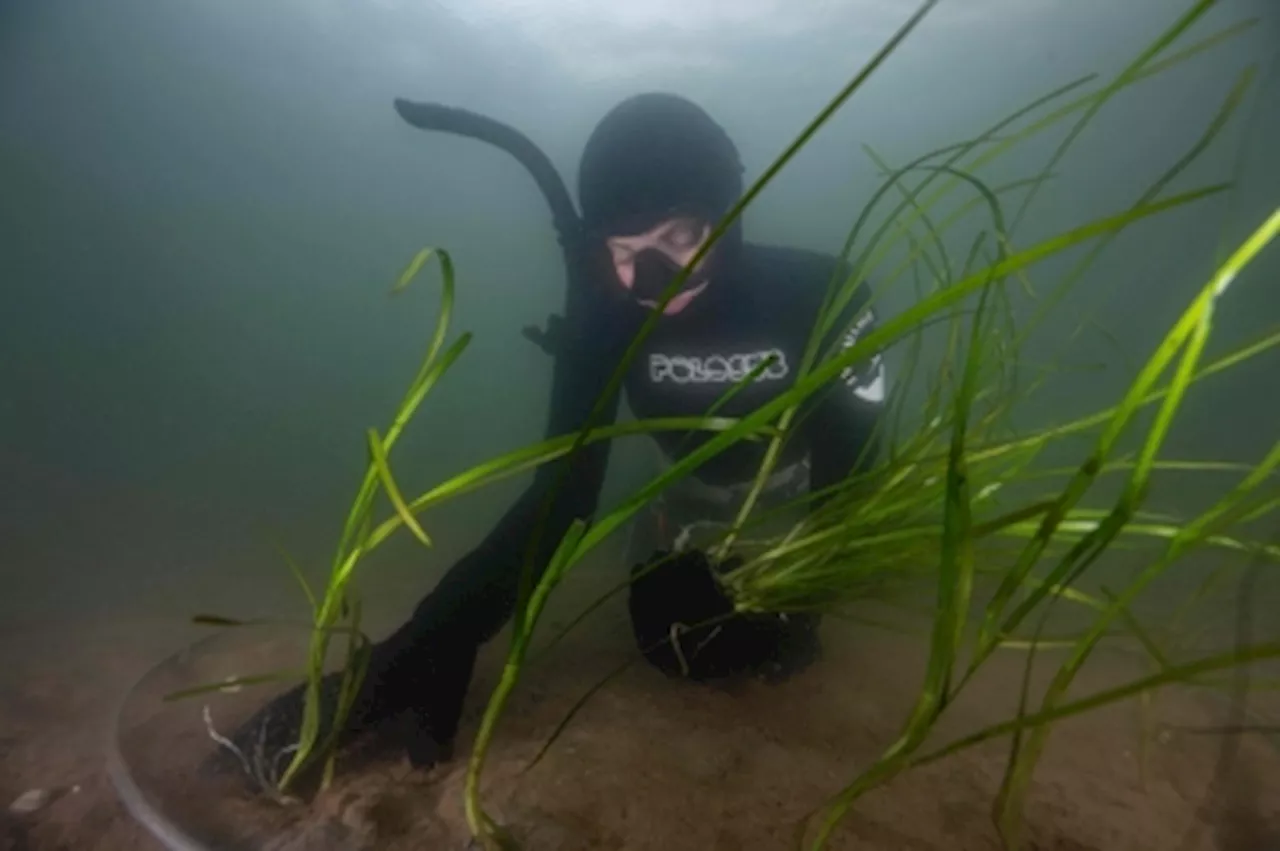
[{"x": 717, "y": 369}]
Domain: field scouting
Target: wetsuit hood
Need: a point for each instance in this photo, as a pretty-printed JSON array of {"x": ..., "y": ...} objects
[{"x": 653, "y": 156}]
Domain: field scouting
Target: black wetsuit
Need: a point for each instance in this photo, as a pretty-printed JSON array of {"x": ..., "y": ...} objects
[{"x": 652, "y": 155}]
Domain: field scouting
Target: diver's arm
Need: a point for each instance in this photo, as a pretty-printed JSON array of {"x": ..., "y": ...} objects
[
  {"x": 478, "y": 595},
  {"x": 425, "y": 667}
]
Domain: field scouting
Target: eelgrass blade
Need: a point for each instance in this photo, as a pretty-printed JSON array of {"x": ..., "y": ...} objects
[
  {"x": 955, "y": 577},
  {"x": 378, "y": 455},
  {"x": 599, "y": 601},
  {"x": 1148, "y": 643},
  {"x": 482, "y": 827},
  {"x": 946, "y": 273},
  {"x": 1073, "y": 530},
  {"x": 728, "y": 396},
  {"x": 298, "y": 576},
  {"x": 353, "y": 674},
  {"x": 898, "y": 394},
  {"x": 433, "y": 370},
  {"x": 1010, "y": 776},
  {"x": 448, "y": 288},
  {"x": 521, "y": 460}
]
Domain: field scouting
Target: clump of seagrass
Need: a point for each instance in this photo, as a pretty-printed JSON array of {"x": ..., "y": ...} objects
[{"x": 959, "y": 486}]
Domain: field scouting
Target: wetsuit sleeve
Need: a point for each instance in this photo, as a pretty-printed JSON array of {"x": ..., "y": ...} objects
[
  {"x": 842, "y": 430},
  {"x": 478, "y": 595}
]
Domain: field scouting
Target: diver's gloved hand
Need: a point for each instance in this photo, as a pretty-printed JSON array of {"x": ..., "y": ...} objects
[
  {"x": 412, "y": 692},
  {"x": 686, "y": 626}
]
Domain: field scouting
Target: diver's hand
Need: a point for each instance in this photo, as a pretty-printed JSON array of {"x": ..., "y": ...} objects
[
  {"x": 676, "y": 605},
  {"x": 411, "y": 694},
  {"x": 686, "y": 625},
  {"x": 423, "y": 688}
]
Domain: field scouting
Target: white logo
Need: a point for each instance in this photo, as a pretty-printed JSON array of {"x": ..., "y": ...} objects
[
  {"x": 864, "y": 321},
  {"x": 717, "y": 369},
  {"x": 868, "y": 384}
]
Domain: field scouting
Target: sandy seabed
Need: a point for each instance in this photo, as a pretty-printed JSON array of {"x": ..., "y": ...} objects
[{"x": 649, "y": 762}]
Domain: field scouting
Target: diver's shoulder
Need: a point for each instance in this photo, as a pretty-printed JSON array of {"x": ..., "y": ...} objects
[
  {"x": 789, "y": 272},
  {"x": 766, "y": 256}
]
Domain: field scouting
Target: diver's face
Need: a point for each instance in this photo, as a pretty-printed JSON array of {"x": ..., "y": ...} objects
[{"x": 673, "y": 242}]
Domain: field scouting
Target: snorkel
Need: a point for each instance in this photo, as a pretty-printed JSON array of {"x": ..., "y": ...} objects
[
  {"x": 568, "y": 224},
  {"x": 651, "y": 157}
]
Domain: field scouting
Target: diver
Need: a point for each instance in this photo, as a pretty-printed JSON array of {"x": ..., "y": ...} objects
[{"x": 656, "y": 175}]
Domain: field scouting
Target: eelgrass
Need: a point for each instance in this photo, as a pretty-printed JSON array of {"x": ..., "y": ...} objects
[
  {"x": 926, "y": 510},
  {"x": 934, "y": 511}
]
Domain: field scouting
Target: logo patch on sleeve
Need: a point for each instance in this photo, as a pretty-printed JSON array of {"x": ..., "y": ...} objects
[{"x": 867, "y": 380}]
